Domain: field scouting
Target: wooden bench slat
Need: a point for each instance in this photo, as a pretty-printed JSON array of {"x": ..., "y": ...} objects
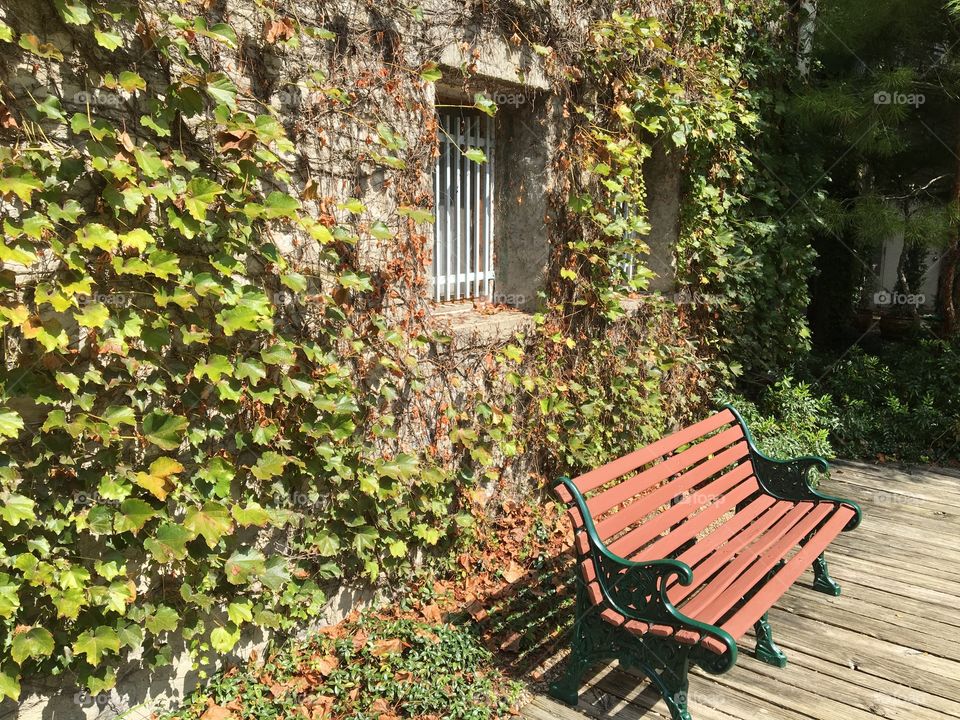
[
  {"x": 667, "y": 545},
  {"x": 755, "y": 607},
  {"x": 605, "y": 473},
  {"x": 737, "y": 533},
  {"x": 639, "y": 509},
  {"x": 633, "y": 486},
  {"x": 724, "y": 565},
  {"x": 648, "y": 531},
  {"x": 720, "y": 604}
]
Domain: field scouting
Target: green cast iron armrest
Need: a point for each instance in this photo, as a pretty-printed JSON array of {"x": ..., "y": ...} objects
[
  {"x": 638, "y": 590},
  {"x": 790, "y": 479}
]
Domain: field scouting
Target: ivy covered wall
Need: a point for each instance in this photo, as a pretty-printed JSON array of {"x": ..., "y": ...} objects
[{"x": 226, "y": 392}]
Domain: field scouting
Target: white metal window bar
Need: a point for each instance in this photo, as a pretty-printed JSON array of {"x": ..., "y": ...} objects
[
  {"x": 627, "y": 262},
  {"x": 463, "y": 192}
]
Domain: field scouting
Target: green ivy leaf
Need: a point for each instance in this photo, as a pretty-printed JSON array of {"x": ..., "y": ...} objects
[
  {"x": 9, "y": 684},
  {"x": 402, "y": 467},
  {"x": 219, "y": 474},
  {"x": 115, "y": 596},
  {"x": 201, "y": 194},
  {"x": 250, "y": 514},
  {"x": 97, "y": 643},
  {"x": 223, "y": 639},
  {"x": 97, "y": 236},
  {"x": 9, "y": 596},
  {"x": 35, "y": 642},
  {"x": 278, "y": 204},
  {"x": 221, "y": 89},
  {"x": 134, "y": 514},
  {"x": 416, "y": 214},
  {"x": 269, "y": 465},
  {"x": 21, "y": 185},
  {"x": 99, "y": 520},
  {"x": 224, "y": 32},
  {"x": 326, "y": 544},
  {"x": 214, "y": 367},
  {"x": 10, "y": 423},
  {"x": 17, "y": 508},
  {"x": 484, "y": 104},
  {"x": 253, "y": 314},
  {"x": 73, "y": 12},
  {"x": 164, "y": 430},
  {"x": 430, "y": 73},
  {"x": 276, "y": 575},
  {"x": 131, "y": 81},
  {"x": 380, "y": 231},
  {"x": 243, "y": 566},
  {"x": 31, "y": 43},
  {"x": 107, "y": 39},
  {"x": 116, "y": 415},
  {"x": 240, "y": 612},
  {"x": 131, "y": 635},
  {"x": 68, "y": 602},
  {"x": 365, "y": 539},
  {"x": 212, "y": 522},
  {"x": 355, "y": 281},
  {"x": 94, "y": 315},
  {"x": 159, "y": 480},
  {"x": 353, "y": 206},
  {"x": 169, "y": 543},
  {"x": 475, "y": 155},
  {"x": 164, "y": 619}
]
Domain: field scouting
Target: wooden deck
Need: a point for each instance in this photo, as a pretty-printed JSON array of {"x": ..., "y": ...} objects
[{"x": 886, "y": 647}]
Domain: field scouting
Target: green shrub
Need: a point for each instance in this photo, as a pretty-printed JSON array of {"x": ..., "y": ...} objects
[
  {"x": 788, "y": 420},
  {"x": 901, "y": 403},
  {"x": 366, "y": 669}
]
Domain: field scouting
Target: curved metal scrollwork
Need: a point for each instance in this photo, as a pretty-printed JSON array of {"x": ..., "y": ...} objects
[
  {"x": 637, "y": 591},
  {"x": 790, "y": 479}
]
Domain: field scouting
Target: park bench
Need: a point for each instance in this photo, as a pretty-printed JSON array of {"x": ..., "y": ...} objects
[{"x": 684, "y": 545}]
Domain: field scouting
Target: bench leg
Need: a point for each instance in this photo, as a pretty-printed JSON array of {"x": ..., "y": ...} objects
[
  {"x": 567, "y": 688},
  {"x": 822, "y": 582},
  {"x": 675, "y": 688},
  {"x": 767, "y": 650},
  {"x": 589, "y": 644},
  {"x": 666, "y": 664}
]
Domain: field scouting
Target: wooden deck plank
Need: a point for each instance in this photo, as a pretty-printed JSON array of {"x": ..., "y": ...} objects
[
  {"x": 883, "y": 648},
  {"x": 905, "y": 558},
  {"x": 844, "y": 699},
  {"x": 872, "y": 487},
  {"x": 930, "y": 587},
  {"x": 892, "y": 475},
  {"x": 887, "y": 689},
  {"x": 862, "y": 617},
  {"x": 889, "y": 603},
  {"x": 707, "y": 697},
  {"x": 877, "y": 576},
  {"x": 884, "y": 658}
]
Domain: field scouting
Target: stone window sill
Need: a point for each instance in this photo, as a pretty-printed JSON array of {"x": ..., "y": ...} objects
[{"x": 464, "y": 320}]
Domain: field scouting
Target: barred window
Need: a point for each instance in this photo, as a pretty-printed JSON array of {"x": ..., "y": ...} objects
[
  {"x": 463, "y": 191},
  {"x": 626, "y": 263}
]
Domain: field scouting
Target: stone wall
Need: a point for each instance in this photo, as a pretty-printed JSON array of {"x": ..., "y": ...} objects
[{"x": 476, "y": 53}]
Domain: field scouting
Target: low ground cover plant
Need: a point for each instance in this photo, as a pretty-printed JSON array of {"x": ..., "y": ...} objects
[{"x": 367, "y": 668}]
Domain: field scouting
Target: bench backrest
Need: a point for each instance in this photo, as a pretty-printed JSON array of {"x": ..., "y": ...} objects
[{"x": 645, "y": 505}]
